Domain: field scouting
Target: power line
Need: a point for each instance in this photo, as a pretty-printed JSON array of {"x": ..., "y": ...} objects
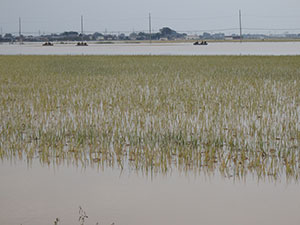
[
  {"x": 233, "y": 29},
  {"x": 272, "y": 17},
  {"x": 273, "y": 29},
  {"x": 193, "y": 18},
  {"x": 181, "y": 31}
]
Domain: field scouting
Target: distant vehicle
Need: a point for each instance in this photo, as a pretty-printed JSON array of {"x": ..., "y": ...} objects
[
  {"x": 81, "y": 44},
  {"x": 48, "y": 43},
  {"x": 200, "y": 43}
]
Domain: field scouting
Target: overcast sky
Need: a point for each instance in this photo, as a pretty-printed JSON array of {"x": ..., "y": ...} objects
[{"x": 132, "y": 15}]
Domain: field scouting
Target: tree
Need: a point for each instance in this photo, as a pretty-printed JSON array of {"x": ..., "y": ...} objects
[
  {"x": 70, "y": 33},
  {"x": 133, "y": 36},
  {"x": 8, "y": 36},
  {"x": 167, "y": 32},
  {"x": 122, "y": 36}
]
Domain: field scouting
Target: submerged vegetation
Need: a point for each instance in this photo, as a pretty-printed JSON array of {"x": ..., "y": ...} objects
[{"x": 235, "y": 115}]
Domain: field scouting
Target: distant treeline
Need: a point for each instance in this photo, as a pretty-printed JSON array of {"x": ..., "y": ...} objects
[{"x": 165, "y": 33}]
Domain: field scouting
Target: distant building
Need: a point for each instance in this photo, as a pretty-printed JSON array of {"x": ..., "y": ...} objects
[
  {"x": 192, "y": 37},
  {"x": 218, "y": 36},
  {"x": 228, "y": 37},
  {"x": 163, "y": 39}
]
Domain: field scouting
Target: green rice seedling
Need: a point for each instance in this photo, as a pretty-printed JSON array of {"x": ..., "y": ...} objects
[{"x": 236, "y": 115}]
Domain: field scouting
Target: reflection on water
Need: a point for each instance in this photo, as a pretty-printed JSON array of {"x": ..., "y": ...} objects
[
  {"x": 37, "y": 195},
  {"x": 269, "y": 167},
  {"x": 227, "y": 48},
  {"x": 226, "y": 162}
]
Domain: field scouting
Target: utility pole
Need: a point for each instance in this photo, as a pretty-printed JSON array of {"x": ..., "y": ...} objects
[
  {"x": 240, "y": 19},
  {"x": 82, "y": 28},
  {"x": 150, "y": 27},
  {"x": 20, "y": 31},
  {"x": 20, "y": 28}
]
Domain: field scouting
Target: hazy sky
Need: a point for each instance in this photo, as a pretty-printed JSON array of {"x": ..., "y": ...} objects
[{"x": 129, "y": 15}]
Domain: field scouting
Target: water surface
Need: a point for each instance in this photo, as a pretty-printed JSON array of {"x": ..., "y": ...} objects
[
  {"x": 36, "y": 195},
  {"x": 226, "y": 48}
]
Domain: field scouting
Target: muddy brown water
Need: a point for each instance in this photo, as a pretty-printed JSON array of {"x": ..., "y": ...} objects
[
  {"x": 226, "y": 48},
  {"x": 36, "y": 195}
]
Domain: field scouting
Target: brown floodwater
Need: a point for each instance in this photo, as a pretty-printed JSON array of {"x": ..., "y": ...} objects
[
  {"x": 225, "y": 48},
  {"x": 36, "y": 195}
]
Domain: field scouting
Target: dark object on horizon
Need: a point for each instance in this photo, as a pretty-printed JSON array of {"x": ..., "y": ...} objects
[
  {"x": 48, "y": 43},
  {"x": 82, "y": 44},
  {"x": 201, "y": 43}
]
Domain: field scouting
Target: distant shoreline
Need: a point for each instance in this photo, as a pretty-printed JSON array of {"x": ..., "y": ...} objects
[
  {"x": 154, "y": 48},
  {"x": 163, "y": 41}
]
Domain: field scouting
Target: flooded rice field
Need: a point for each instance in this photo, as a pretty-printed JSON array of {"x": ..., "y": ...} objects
[
  {"x": 149, "y": 140},
  {"x": 226, "y": 48}
]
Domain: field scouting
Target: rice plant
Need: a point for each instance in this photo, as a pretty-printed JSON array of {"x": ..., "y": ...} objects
[{"x": 227, "y": 114}]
